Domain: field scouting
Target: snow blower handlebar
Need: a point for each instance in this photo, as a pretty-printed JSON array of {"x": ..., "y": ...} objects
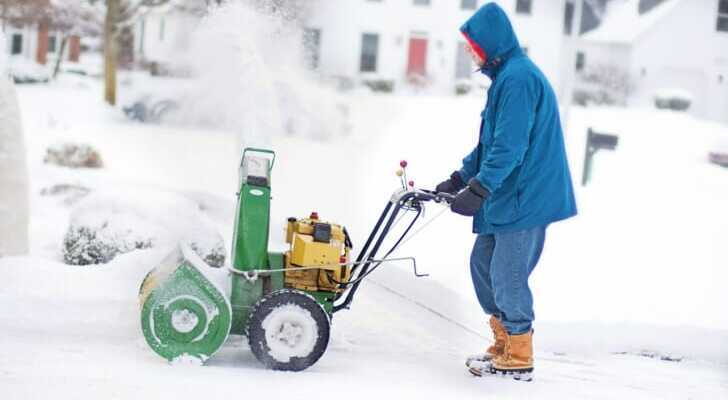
[{"x": 407, "y": 199}]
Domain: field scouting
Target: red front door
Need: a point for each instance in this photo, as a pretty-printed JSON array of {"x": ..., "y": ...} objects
[{"x": 417, "y": 64}]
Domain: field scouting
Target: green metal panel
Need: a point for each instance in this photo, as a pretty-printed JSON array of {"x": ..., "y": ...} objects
[
  {"x": 250, "y": 251},
  {"x": 243, "y": 297},
  {"x": 183, "y": 313},
  {"x": 276, "y": 261},
  {"x": 250, "y": 246},
  {"x": 326, "y": 299},
  {"x": 250, "y": 240}
]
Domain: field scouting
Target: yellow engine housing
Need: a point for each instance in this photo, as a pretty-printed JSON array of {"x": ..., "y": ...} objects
[{"x": 316, "y": 265}]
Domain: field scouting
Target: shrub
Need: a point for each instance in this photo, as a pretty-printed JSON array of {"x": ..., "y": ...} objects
[
  {"x": 463, "y": 88},
  {"x": 380, "y": 85},
  {"x": 83, "y": 245},
  {"x": 73, "y": 155},
  {"x": 603, "y": 84},
  {"x": 104, "y": 226},
  {"x": 673, "y": 99}
]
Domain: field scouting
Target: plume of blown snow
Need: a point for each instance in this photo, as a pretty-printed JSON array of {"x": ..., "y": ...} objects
[{"x": 250, "y": 78}]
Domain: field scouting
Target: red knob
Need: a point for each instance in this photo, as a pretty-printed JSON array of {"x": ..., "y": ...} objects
[
  {"x": 314, "y": 215},
  {"x": 403, "y": 164},
  {"x": 412, "y": 183}
]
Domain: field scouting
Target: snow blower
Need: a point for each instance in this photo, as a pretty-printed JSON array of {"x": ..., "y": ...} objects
[{"x": 282, "y": 302}]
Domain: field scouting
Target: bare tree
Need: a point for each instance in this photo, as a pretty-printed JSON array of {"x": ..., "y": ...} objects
[
  {"x": 120, "y": 16},
  {"x": 20, "y": 12},
  {"x": 74, "y": 18}
]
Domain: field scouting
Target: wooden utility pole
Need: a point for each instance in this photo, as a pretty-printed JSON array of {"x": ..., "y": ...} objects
[{"x": 110, "y": 51}]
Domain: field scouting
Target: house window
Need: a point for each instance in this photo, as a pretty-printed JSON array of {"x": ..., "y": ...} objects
[
  {"x": 468, "y": 4},
  {"x": 422, "y": 2},
  {"x": 464, "y": 63},
  {"x": 17, "y": 44},
  {"x": 51, "y": 44},
  {"x": 722, "y": 16},
  {"x": 580, "y": 61},
  {"x": 312, "y": 46},
  {"x": 161, "y": 30},
  {"x": 568, "y": 18},
  {"x": 369, "y": 52},
  {"x": 523, "y": 6}
]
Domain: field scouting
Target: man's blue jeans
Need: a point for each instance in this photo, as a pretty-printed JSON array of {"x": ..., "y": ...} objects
[{"x": 500, "y": 265}]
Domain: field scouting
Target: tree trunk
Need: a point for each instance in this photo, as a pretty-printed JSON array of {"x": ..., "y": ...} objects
[
  {"x": 59, "y": 59},
  {"x": 110, "y": 51},
  {"x": 14, "y": 205}
]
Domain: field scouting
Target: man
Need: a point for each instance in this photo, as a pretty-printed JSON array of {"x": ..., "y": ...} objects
[{"x": 514, "y": 183}]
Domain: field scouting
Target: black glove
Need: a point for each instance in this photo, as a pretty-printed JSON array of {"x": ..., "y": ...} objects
[
  {"x": 452, "y": 185},
  {"x": 470, "y": 199}
]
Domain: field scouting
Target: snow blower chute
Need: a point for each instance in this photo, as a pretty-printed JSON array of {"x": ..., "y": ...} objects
[{"x": 282, "y": 302}]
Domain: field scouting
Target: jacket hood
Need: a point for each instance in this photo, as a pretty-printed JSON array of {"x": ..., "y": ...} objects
[{"x": 490, "y": 30}]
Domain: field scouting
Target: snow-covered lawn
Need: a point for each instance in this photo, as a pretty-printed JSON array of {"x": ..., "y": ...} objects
[{"x": 640, "y": 275}]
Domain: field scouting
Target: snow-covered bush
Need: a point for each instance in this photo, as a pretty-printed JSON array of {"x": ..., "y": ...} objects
[
  {"x": 380, "y": 85},
  {"x": 673, "y": 99},
  {"x": 463, "y": 87},
  {"x": 27, "y": 71},
  {"x": 84, "y": 245},
  {"x": 70, "y": 193},
  {"x": 73, "y": 155},
  {"x": 108, "y": 224},
  {"x": 603, "y": 84}
]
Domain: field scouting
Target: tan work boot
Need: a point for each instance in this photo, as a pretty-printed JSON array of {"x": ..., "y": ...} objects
[
  {"x": 517, "y": 357},
  {"x": 476, "y": 362}
]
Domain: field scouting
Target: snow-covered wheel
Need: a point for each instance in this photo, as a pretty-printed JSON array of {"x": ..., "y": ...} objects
[{"x": 288, "y": 330}]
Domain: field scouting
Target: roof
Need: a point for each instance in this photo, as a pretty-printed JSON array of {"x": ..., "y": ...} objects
[{"x": 623, "y": 23}]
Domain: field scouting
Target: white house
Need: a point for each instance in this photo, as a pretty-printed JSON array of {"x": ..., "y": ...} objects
[
  {"x": 38, "y": 42},
  {"x": 418, "y": 41},
  {"x": 408, "y": 43},
  {"x": 676, "y": 44},
  {"x": 161, "y": 33}
]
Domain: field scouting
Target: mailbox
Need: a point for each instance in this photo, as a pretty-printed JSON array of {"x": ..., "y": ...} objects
[{"x": 596, "y": 141}]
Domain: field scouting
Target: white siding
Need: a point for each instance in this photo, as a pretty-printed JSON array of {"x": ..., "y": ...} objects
[
  {"x": 684, "y": 51},
  {"x": 161, "y": 36},
  {"x": 342, "y": 23}
]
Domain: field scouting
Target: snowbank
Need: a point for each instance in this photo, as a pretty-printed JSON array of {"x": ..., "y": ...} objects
[
  {"x": 13, "y": 175},
  {"x": 106, "y": 224}
]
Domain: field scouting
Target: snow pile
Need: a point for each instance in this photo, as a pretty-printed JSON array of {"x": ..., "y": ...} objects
[
  {"x": 73, "y": 155},
  {"x": 251, "y": 79},
  {"x": 13, "y": 175},
  {"x": 105, "y": 225},
  {"x": 68, "y": 193}
]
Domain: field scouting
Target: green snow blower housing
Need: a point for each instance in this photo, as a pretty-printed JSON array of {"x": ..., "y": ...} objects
[{"x": 283, "y": 302}]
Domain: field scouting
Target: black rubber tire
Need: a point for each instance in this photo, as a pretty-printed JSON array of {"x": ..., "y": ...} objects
[{"x": 257, "y": 337}]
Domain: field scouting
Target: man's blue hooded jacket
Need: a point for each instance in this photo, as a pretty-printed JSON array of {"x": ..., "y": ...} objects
[{"x": 520, "y": 157}]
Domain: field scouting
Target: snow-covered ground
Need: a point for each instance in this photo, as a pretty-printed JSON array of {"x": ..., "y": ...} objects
[{"x": 639, "y": 276}]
